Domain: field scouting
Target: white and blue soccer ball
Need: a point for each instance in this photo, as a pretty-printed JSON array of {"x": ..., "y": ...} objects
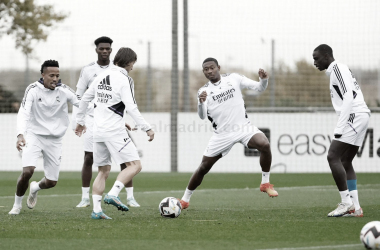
[
  {"x": 170, "y": 207},
  {"x": 370, "y": 235}
]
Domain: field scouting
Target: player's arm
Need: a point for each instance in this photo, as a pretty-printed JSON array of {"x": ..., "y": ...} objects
[
  {"x": 81, "y": 89},
  {"x": 88, "y": 96},
  {"x": 260, "y": 86},
  {"x": 127, "y": 97},
  {"x": 71, "y": 96},
  {"x": 342, "y": 77},
  {"x": 202, "y": 104},
  {"x": 23, "y": 116}
]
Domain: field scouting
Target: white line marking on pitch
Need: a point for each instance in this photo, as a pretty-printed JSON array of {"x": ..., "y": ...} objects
[
  {"x": 316, "y": 247},
  {"x": 319, "y": 188}
]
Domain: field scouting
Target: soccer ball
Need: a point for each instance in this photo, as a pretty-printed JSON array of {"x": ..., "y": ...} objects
[
  {"x": 170, "y": 207},
  {"x": 370, "y": 235}
]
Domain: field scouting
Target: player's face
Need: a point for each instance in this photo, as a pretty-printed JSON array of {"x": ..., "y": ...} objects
[
  {"x": 104, "y": 51},
  {"x": 211, "y": 71},
  {"x": 129, "y": 67},
  {"x": 50, "y": 77},
  {"x": 320, "y": 61}
]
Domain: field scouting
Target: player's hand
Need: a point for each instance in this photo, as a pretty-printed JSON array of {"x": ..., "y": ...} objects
[
  {"x": 337, "y": 136},
  {"x": 150, "y": 133},
  {"x": 129, "y": 127},
  {"x": 80, "y": 130},
  {"x": 263, "y": 74},
  {"x": 20, "y": 142},
  {"x": 202, "y": 97}
]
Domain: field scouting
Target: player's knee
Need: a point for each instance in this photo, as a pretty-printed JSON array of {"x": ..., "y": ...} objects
[
  {"x": 265, "y": 147},
  {"x": 50, "y": 183},
  {"x": 27, "y": 173},
  {"x": 88, "y": 159},
  {"x": 331, "y": 157},
  {"x": 204, "y": 168}
]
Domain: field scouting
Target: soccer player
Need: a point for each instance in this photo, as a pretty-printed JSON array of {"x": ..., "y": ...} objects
[
  {"x": 348, "y": 102},
  {"x": 42, "y": 121},
  {"x": 113, "y": 92},
  {"x": 221, "y": 101},
  {"x": 88, "y": 74}
]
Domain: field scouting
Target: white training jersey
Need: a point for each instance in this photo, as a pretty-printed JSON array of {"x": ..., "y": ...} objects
[
  {"x": 113, "y": 93},
  {"x": 44, "y": 111},
  {"x": 87, "y": 76},
  {"x": 224, "y": 105},
  {"x": 346, "y": 95}
]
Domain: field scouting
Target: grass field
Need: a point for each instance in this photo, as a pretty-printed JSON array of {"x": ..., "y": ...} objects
[{"x": 226, "y": 212}]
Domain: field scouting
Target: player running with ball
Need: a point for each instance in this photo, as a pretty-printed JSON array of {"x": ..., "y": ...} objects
[
  {"x": 113, "y": 92},
  {"x": 221, "y": 101}
]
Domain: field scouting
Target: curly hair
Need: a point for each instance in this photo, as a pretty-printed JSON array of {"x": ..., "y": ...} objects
[{"x": 49, "y": 63}]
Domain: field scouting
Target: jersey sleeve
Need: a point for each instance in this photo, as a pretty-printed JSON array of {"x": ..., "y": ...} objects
[
  {"x": 88, "y": 96},
  {"x": 202, "y": 106},
  {"x": 343, "y": 79},
  {"x": 23, "y": 114},
  {"x": 71, "y": 95},
  {"x": 246, "y": 83},
  {"x": 128, "y": 98}
]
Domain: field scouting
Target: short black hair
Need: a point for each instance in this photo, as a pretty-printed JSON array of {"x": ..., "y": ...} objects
[
  {"x": 49, "y": 63},
  {"x": 210, "y": 59},
  {"x": 103, "y": 39},
  {"x": 124, "y": 57},
  {"x": 324, "y": 49}
]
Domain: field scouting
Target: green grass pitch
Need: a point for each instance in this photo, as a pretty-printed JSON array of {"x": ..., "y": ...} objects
[{"x": 226, "y": 212}]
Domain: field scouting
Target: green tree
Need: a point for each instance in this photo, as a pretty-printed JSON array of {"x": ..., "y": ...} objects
[{"x": 27, "y": 22}]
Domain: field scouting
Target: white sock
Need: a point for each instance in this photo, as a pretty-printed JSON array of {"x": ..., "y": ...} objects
[
  {"x": 85, "y": 192},
  {"x": 265, "y": 177},
  {"x": 129, "y": 192},
  {"x": 117, "y": 187},
  {"x": 355, "y": 198},
  {"x": 35, "y": 188},
  {"x": 97, "y": 202},
  {"x": 345, "y": 195},
  {"x": 18, "y": 201},
  {"x": 187, "y": 195}
]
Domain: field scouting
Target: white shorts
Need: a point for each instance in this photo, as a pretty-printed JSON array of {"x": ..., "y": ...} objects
[
  {"x": 355, "y": 129},
  {"x": 222, "y": 143},
  {"x": 121, "y": 151},
  {"x": 88, "y": 142},
  {"x": 51, "y": 149}
]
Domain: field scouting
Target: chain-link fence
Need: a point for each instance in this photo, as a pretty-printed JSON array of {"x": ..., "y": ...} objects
[{"x": 244, "y": 36}]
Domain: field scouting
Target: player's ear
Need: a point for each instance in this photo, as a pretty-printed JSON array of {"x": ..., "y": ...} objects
[{"x": 110, "y": 50}]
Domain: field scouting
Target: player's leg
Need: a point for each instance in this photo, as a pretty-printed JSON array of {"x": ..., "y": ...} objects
[
  {"x": 347, "y": 159},
  {"x": 122, "y": 152},
  {"x": 260, "y": 142},
  {"x": 336, "y": 151},
  {"x": 131, "y": 201},
  {"x": 88, "y": 146},
  {"x": 51, "y": 152},
  {"x": 197, "y": 178},
  {"x": 102, "y": 158},
  {"x": 86, "y": 179},
  {"x": 22, "y": 186}
]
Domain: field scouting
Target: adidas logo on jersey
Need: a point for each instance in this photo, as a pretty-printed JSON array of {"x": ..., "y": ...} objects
[
  {"x": 105, "y": 84},
  {"x": 211, "y": 93}
]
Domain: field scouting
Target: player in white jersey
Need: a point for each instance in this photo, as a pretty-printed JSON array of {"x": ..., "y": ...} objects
[
  {"x": 88, "y": 74},
  {"x": 353, "y": 118},
  {"x": 221, "y": 101},
  {"x": 42, "y": 121},
  {"x": 113, "y": 92}
]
